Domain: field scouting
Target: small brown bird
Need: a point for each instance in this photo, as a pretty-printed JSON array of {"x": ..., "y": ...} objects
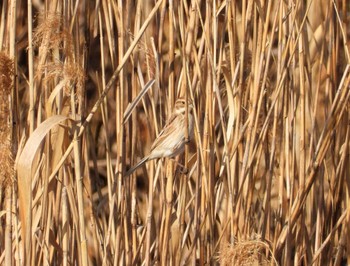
[{"x": 171, "y": 140}]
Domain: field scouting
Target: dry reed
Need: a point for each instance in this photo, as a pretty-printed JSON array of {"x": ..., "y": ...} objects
[{"x": 86, "y": 87}]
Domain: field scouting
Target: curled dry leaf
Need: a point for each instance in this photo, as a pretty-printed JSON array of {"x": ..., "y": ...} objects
[{"x": 25, "y": 170}]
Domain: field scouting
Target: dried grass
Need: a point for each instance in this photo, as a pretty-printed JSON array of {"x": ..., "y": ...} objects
[
  {"x": 269, "y": 81},
  {"x": 244, "y": 252}
]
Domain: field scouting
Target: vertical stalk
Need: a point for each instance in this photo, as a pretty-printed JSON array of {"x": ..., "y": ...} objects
[
  {"x": 120, "y": 133},
  {"x": 134, "y": 141},
  {"x": 12, "y": 26},
  {"x": 171, "y": 54},
  {"x": 65, "y": 227},
  {"x": 79, "y": 186},
  {"x": 31, "y": 68},
  {"x": 8, "y": 227}
]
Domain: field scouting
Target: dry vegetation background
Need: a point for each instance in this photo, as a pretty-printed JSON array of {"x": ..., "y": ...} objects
[{"x": 267, "y": 172}]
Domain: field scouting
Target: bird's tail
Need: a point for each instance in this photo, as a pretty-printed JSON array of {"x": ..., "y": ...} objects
[{"x": 140, "y": 163}]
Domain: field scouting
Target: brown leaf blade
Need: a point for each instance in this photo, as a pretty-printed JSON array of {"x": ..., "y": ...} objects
[{"x": 25, "y": 171}]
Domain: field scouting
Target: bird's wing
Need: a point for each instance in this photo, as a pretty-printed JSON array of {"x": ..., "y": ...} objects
[{"x": 168, "y": 130}]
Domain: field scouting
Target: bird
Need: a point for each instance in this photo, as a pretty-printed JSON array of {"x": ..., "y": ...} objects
[{"x": 171, "y": 140}]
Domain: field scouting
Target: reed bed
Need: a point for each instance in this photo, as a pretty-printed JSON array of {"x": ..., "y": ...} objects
[{"x": 85, "y": 88}]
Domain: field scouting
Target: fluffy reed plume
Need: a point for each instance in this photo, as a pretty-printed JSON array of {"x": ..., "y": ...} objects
[
  {"x": 54, "y": 41},
  {"x": 6, "y": 147},
  {"x": 52, "y": 33},
  {"x": 56, "y": 61},
  {"x": 68, "y": 74}
]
